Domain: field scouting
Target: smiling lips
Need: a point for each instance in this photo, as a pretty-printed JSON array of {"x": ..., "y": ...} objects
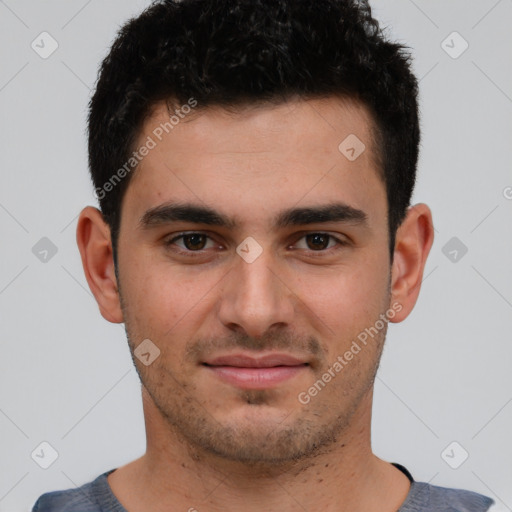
[{"x": 256, "y": 373}]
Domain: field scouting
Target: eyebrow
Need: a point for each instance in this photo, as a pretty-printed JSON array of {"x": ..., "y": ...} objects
[{"x": 198, "y": 214}]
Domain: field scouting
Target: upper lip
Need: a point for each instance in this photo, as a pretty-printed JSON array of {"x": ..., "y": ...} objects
[{"x": 245, "y": 361}]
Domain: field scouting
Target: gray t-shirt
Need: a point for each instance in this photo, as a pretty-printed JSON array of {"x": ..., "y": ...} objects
[{"x": 96, "y": 496}]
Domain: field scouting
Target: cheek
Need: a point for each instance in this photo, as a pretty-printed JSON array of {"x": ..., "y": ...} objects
[
  {"x": 347, "y": 293},
  {"x": 346, "y": 301},
  {"x": 161, "y": 298}
]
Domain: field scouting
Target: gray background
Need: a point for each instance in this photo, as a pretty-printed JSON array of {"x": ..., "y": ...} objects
[{"x": 66, "y": 376}]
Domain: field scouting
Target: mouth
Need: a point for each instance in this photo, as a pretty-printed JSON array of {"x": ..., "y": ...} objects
[{"x": 263, "y": 372}]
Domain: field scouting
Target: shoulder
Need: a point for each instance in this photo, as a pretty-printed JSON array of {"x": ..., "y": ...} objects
[
  {"x": 71, "y": 500},
  {"x": 87, "y": 498},
  {"x": 424, "y": 496}
]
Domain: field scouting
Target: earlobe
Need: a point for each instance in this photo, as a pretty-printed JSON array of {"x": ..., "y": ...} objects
[
  {"x": 95, "y": 246},
  {"x": 414, "y": 240}
]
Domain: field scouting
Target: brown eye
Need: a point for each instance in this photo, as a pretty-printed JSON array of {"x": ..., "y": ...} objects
[
  {"x": 317, "y": 241},
  {"x": 320, "y": 242},
  {"x": 195, "y": 241},
  {"x": 190, "y": 242}
]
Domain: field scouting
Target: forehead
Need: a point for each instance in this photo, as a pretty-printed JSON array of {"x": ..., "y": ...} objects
[
  {"x": 260, "y": 156},
  {"x": 301, "y": 125}
]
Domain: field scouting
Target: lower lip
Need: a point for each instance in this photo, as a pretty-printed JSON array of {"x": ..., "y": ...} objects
[{"x": 256, "y": 378}]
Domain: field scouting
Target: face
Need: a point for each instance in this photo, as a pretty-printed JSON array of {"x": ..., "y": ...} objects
[{"x": 253, "y": 254}]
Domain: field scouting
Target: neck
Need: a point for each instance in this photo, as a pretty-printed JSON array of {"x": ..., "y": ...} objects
[{"x": 344, "y": 476}]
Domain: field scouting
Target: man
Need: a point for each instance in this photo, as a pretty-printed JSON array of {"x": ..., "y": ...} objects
[{"x": 254, "y": 162}]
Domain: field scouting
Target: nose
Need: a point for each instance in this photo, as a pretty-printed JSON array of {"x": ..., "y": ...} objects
[{"x": 255, "y": 298}]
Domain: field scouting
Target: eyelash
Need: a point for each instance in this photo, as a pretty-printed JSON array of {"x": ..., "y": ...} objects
[{"x": 189, "y": 253}]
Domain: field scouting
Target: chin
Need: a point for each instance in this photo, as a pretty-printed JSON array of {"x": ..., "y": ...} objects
[{"x": 260, "y": 435}]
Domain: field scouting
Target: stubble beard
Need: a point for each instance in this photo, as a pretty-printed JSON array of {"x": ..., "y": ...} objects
[
  {"x": 296, "y": 440},
  {"x": 304, "y": 433}
]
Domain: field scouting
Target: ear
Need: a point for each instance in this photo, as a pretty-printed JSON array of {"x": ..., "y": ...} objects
[
  {"x": 413, "y": 241},
  {"x": 95, "y": 246}
]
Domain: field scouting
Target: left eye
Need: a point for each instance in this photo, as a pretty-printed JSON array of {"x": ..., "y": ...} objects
[{"x": 318, "y": 242}]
